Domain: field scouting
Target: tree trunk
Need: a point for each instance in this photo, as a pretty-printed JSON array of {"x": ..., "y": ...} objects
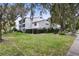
[
  {"x": 0, "y": 27},
  {"x": 62, "y": 23},
  {"x": 62, "y": 17},
  {"x": 73, "y": 26},
  {"x": 51, "y": 23},
  {"x": 0, "y": 32}
]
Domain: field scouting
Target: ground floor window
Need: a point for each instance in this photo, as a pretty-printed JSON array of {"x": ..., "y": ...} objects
[
  {"x": 23, "y": 25},
  {"x": 35, "y": 23}
]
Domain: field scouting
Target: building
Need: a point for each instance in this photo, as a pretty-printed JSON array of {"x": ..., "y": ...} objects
[{"x": 23, "y": 24}]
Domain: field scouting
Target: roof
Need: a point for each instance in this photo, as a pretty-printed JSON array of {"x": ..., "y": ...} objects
[
  {"x": 18, "y": 19},
  {"x": 35, "y": 19}
]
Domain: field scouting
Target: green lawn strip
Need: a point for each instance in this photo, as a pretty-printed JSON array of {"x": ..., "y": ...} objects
[{"x": 41, "y": 44}]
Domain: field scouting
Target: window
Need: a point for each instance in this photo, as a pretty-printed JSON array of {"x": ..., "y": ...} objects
[
  {"x": 23, "y": 25},
  {"x": 47, "y": 24},
  {"x": 19, "y": 26},
  {"x": 35, "y": 24},
  {"x": 20, "y": 21},
  {"x": 23, "y": 21}
]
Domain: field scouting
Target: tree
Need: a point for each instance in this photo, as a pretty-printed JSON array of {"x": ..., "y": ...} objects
[
  {"x": 2, "y": 11},
  {"x": 9, "y": 12},
  {"x": 15, "y": 10},
  {"x": 64, "y": 14},
  {"x": 73, "y": 8},
  {"x": 0, "y": 23}
]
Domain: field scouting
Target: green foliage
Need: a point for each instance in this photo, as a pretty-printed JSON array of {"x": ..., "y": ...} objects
[
  {"x": 62, "y": 33},
  {"x": 64, "y": 14}
]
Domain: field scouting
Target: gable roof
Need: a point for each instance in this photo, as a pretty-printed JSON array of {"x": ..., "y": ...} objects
[
  {"x": 35, "y": 19},
  {"x": 18, "y": 19}
]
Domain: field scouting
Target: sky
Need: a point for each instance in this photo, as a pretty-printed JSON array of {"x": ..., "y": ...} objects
[
  {"x": 45, "y": 15},
  {"x": 37, "y": 13}
]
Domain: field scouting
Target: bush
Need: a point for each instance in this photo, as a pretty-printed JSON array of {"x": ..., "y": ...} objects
[
  {"x": 62, "y": 33},
  {"x": 55, "y": 31}
]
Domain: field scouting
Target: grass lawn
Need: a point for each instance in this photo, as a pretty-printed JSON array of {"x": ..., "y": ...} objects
[{"x": 35, "y": 44}]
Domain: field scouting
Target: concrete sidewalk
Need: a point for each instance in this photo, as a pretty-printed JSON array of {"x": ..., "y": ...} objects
[{"x": 74, "y": 50}]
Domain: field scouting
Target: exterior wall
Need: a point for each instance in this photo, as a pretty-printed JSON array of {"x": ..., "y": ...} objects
[
  {"x": 44, "y": 25},
  {"x": 17, "y": 23},
  {"x": 28, "y": 24},
  {"x": 39, "y": 25},
  {"x": 35, "y": 26}
]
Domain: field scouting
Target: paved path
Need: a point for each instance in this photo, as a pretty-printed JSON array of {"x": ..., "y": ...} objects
[{"x": 74, "y": 50}]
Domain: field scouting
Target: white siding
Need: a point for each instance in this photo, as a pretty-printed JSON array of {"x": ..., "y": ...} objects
[
  {"x": 44, "y": 24},
  {"x": 28, "y": 24},
  {"x": 40, "y": 24},
  {"x": 17, "y": 23},
  {"x": 35, "y": 26}
]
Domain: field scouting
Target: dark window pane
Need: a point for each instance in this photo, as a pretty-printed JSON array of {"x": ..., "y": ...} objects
[
  {"x": 23, "y": 25},
  {"x": 35, "y": 23}
]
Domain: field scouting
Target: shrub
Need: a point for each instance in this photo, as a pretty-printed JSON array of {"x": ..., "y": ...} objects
[
  {"x": 62, "y": 33},
  {"x": 55, "y": 31}
]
